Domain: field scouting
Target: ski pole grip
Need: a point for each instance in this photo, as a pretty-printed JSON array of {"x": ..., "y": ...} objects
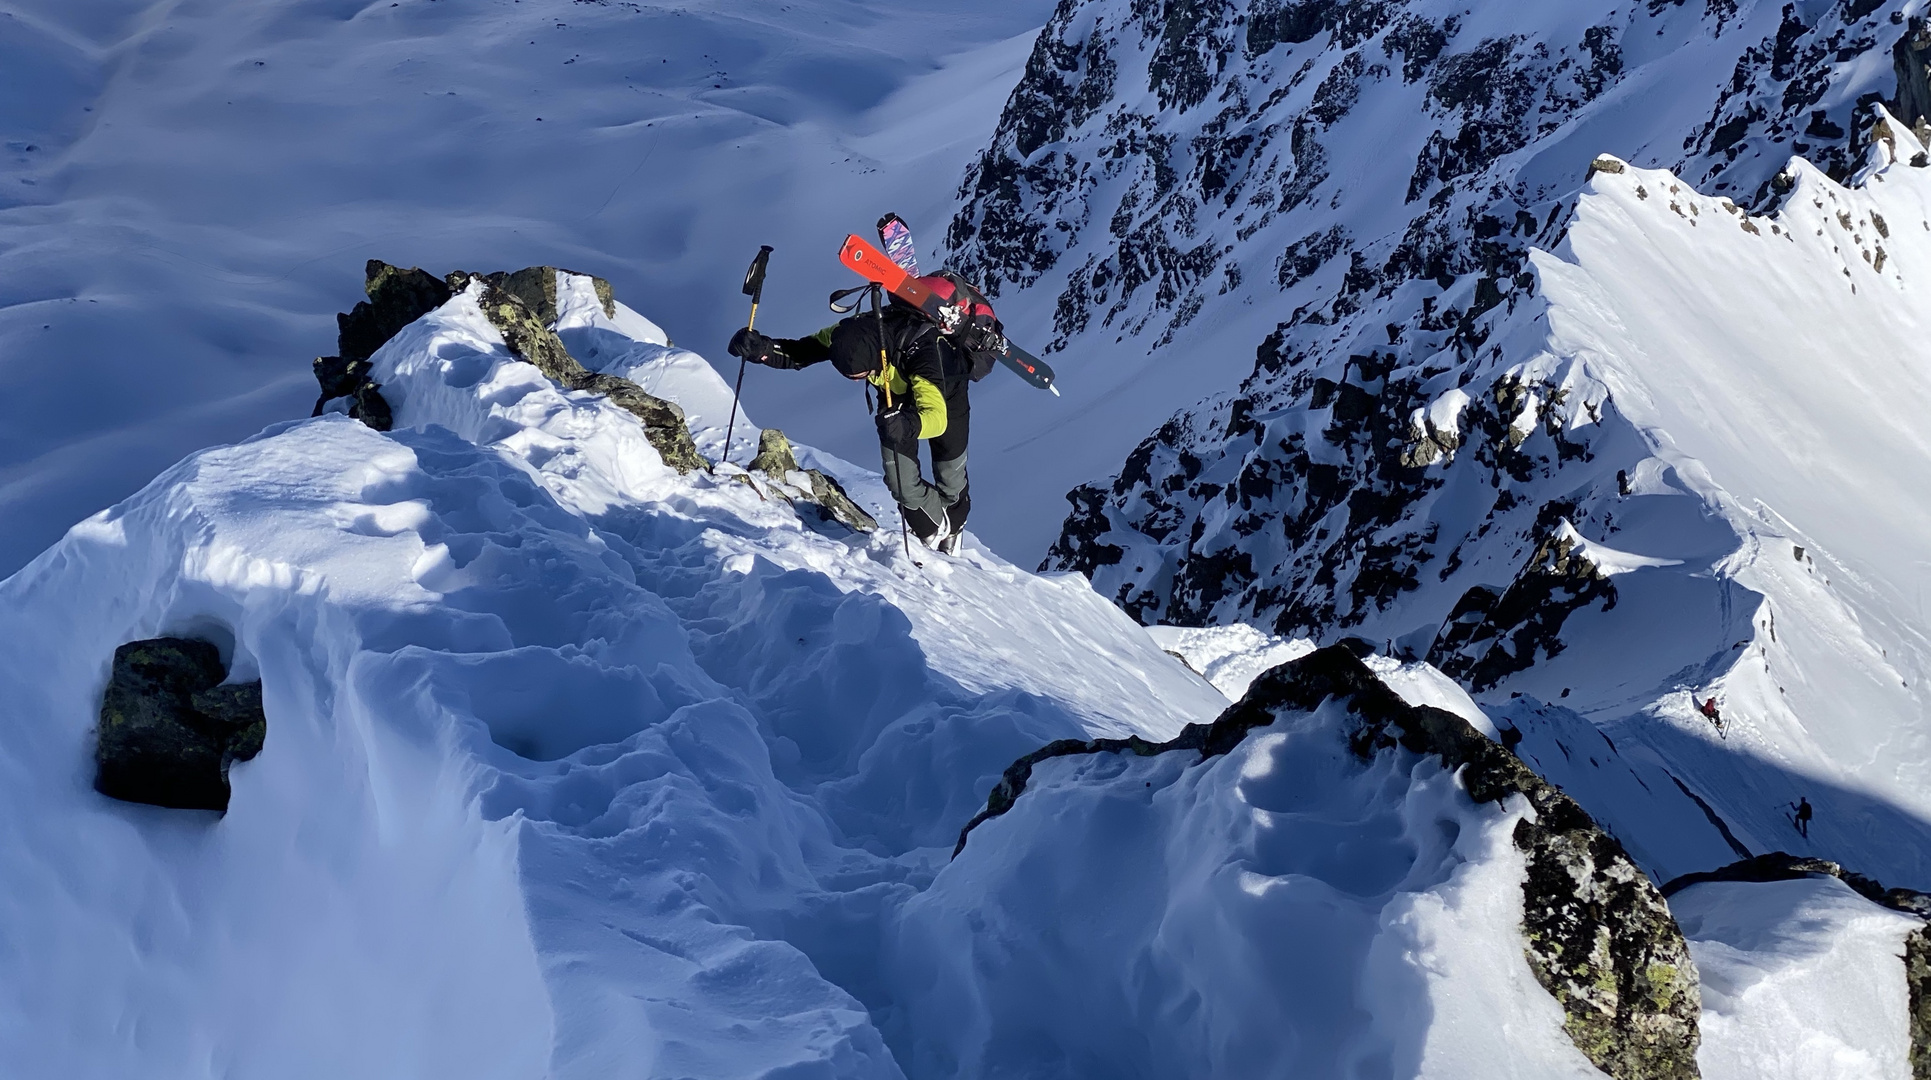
[{"x": 754, "y": 282}]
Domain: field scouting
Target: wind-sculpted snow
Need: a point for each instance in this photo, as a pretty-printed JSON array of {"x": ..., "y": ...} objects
[
  {"x": 574, "y": 765},
  {"x": 579, "y": 765}
]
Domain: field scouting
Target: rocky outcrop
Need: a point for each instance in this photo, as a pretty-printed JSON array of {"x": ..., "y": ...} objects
[
  {"x": 1911, "y": 62},
  {"x": 397, "y": 297},
  {"x": 536, "y": 286},
  {"x": 1597, "y": 933},
  {"x": 1489, "y": 635},
  {"x": 170, "y": 728},
  {"x": 821, "y": 492},
  {"x": 523, "y": 308},
  {"x": 1783, "y": 866},
  {"x": 1917, "y": 977},
  {"x": 349, "y": 379},
  {"x": 533, "y": 340}
]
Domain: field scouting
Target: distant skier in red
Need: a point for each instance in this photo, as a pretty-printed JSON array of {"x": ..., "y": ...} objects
[{"x": 1709, "y": 710}]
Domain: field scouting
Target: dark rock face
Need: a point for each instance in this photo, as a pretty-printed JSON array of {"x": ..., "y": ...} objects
[
  {"x": 1143, "y": 195},
  {"x": 1917, "y": 975},
  {"x": 1911, "y": 61},
  {"x": 536, "y": 286},
  {"x": 349, "y": 379},
  {"x": 1783, "y": 866},
  {"x": 1490, "y": 636},
  {"x": 531, "y": 338},
  {"x": 397, "y": 297},
  {"x": 169, "y": 729},
  {"x": 826, "y": 496},
  {"x": 1598, "y": 934}
]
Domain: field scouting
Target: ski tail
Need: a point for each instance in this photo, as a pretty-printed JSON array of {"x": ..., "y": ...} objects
[
  {"x": 896, "y": 237},
  {"x": 1027, "y": 366},
  {"x": 874, "y": 265}
]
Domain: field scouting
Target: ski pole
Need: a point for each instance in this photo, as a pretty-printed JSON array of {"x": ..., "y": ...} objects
[
  {"x": 885, "y": 381},
  {"x": 753, "y": 288}
]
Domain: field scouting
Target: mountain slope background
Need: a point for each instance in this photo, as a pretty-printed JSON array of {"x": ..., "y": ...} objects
[
  {"x": 1559, "y": 424},
  {"x": 187, "y": 190},
  {"x": 1607, "y": 454}
]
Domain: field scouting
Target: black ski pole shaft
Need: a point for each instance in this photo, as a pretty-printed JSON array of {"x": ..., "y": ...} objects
[
  {"x": 753, "y": 288},
  {"x": 885, "y": 381}
]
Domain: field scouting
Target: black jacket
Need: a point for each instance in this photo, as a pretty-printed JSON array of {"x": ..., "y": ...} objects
[{"x": 913, "y": 345}]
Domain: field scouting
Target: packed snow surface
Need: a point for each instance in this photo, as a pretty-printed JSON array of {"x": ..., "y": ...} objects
[
  {"x": 577, "y": 764},
  {"x": 1800, "y": 981}
]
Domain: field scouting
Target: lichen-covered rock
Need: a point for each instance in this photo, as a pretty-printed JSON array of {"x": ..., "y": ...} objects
[
  {"x": 774, "y": 459},
  {"x": 397, "y": 297},
  {"x": 824, "y": 495},
  {"x": 169, "y": 728},
  {"x": 530, "y": 337},
  {"x": 663, "y": 420},
  {"x": 1603, "y": 942},
  {"x": 1917, "y": 976},
  {"x": 1597, "y": 933},
  {"x": 536, "y": 286}
]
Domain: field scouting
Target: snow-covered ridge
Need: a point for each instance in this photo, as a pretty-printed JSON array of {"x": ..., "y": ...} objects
[
  {"x": 576, "y": 764},
  {"x": 573, "y": 763}
]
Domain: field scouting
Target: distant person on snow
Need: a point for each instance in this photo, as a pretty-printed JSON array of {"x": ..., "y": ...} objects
[
  {"x": 1803, "y": 816},
  {"x": 1710, "y": 713},
  {"x": 928, "y": 371}
]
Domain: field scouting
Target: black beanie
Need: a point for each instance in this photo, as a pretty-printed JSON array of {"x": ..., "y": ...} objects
[{"x": 854, "y": 345}]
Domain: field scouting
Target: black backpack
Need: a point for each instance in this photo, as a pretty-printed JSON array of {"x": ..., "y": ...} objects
[{"x": 971, "y": 325}]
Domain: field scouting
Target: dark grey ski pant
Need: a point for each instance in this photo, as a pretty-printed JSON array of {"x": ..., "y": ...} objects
[{"x": 948, "y": 491}]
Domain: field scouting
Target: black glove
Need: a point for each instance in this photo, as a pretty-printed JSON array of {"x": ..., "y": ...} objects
[
  {"x": 748, "y": 344},
  {"x": 898, "y": 429}
]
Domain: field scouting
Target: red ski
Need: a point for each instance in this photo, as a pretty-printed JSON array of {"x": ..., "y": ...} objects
[{"x": 932, "y": 295}]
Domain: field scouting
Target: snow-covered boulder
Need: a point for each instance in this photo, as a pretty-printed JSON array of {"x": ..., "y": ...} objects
[
  {"x": 1374, "y": 854},
  {"x": 170, "y": 726}
]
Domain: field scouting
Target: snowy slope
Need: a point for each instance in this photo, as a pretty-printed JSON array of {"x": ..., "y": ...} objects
[
  {"x": 188, "y": 189},
  {"x": 578, "y": 765},
  {"x": 575, "y": 764},
  {"x": 1193, "y": 193},
  {"x": 1793, "y": 980},
  {"x": 1590, "y": 571},
  {"x": 1563, "y": 437}
]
